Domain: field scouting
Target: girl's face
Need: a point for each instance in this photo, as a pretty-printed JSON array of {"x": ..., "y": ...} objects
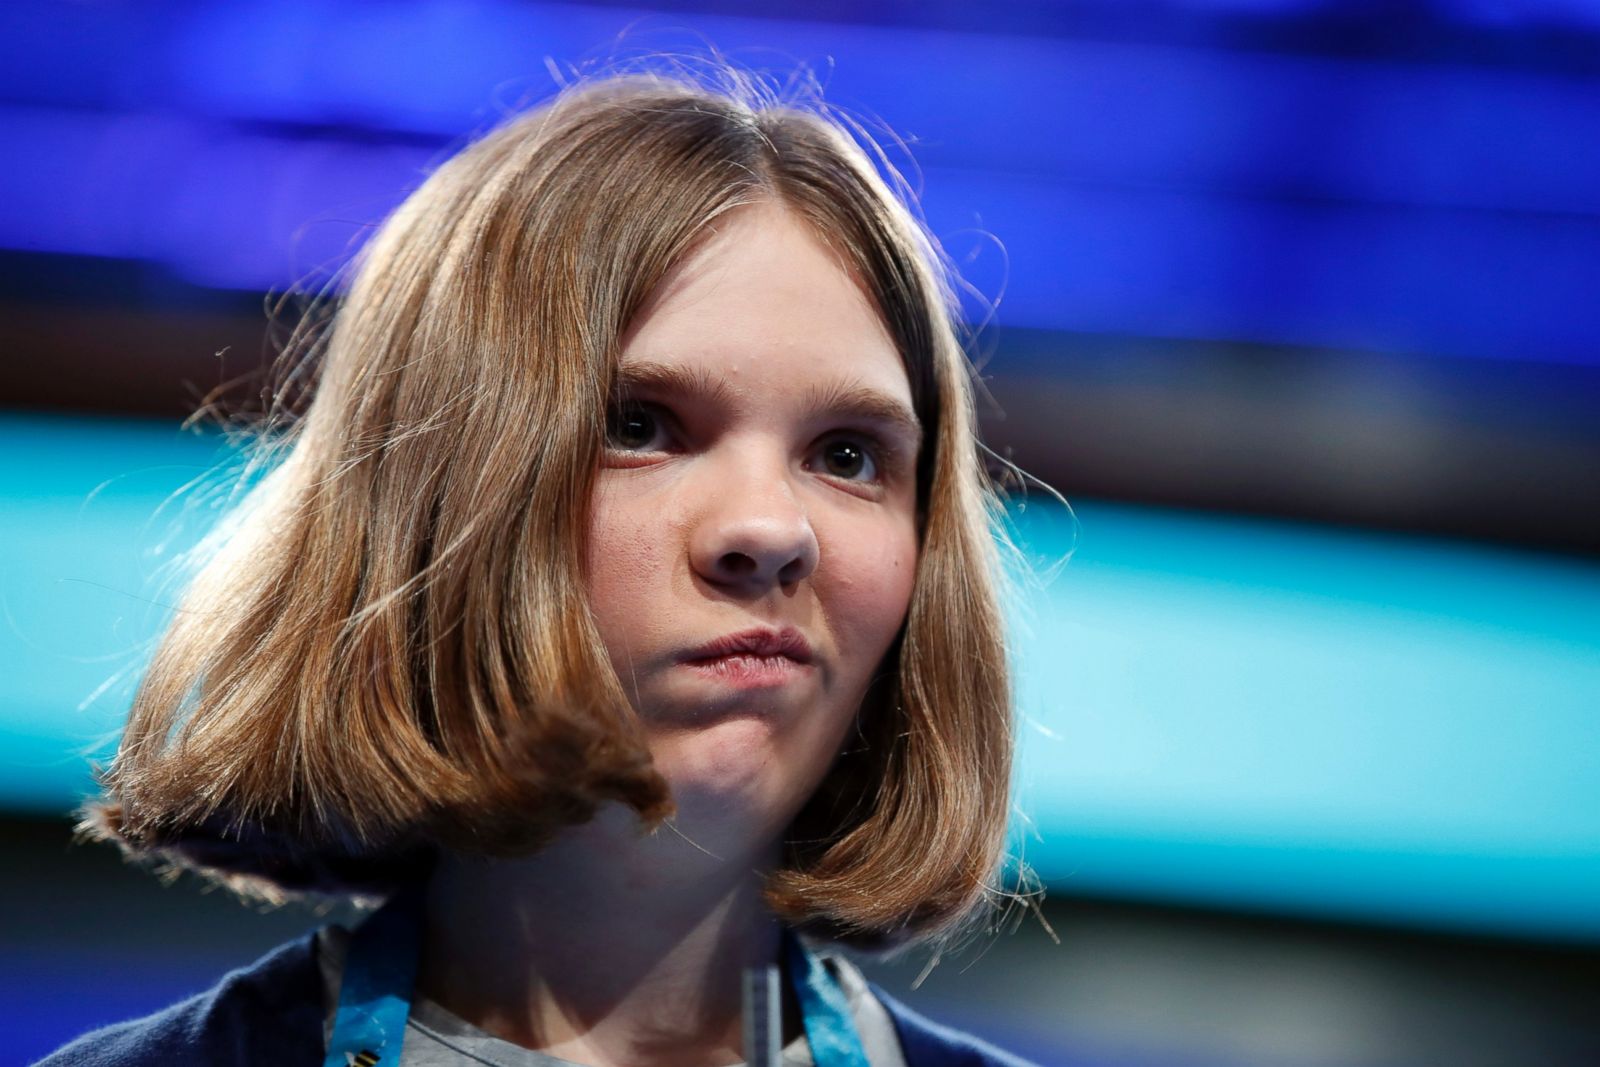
[{"x": 754, "y": 536}]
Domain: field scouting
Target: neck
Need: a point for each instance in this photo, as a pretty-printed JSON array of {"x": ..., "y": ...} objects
[{"x": 604, "y": 948}]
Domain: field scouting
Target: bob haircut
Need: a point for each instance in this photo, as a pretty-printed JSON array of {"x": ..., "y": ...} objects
[{"x": 386, "y": 648}]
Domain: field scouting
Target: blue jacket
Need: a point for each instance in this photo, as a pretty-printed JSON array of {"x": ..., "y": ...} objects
[{"x": 271, "y": 1014}]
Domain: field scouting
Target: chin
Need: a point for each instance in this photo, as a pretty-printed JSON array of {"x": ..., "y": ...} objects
[{"x": 732, "y": 772}]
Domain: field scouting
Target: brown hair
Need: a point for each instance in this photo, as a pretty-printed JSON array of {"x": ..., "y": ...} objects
[{"x": 388, "y": 648}]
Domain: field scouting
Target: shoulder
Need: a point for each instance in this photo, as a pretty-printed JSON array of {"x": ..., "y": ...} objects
[
  {"x": 900, "y": 1037},
  {"x": 930, "y": 1044},
  {"x": 268, "y": 1012}
]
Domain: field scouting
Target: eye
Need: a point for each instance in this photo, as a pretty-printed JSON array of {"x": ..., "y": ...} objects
[
  {"x": 634, "y": 427},
  {"x": 848, "y": 458}
]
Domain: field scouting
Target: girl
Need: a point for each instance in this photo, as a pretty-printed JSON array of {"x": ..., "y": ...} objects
[{"x": 622, "y": 609}]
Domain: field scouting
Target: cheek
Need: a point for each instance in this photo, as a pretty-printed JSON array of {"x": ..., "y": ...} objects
[
  {"x": 626, "y": 552},
  {"x": 873, "y": 578}
]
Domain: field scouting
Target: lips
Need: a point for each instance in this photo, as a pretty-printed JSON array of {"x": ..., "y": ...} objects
[{"x": 787, "y": 642}]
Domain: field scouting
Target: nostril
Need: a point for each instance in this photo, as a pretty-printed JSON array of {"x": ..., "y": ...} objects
[
  {"x": 753, "y": 551},
  {"x": 792, "y": 571}
]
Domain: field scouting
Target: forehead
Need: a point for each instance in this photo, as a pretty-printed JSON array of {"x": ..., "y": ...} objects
[{"x": 763, "y": 303}]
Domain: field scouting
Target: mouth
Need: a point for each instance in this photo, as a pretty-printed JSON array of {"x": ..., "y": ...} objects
[
  {"x": 762, "y": 643},
  {"x": 752, "y": 659}
]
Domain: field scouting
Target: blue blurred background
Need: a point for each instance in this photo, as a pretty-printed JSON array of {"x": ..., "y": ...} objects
[{"x": 1296, "y": 304}]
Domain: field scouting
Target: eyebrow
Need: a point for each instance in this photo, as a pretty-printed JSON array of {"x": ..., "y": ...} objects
[
  {"x": 850, "y": 399},
  {"x": 670, "y": 380},
  {"x": 859, "y": 401}
]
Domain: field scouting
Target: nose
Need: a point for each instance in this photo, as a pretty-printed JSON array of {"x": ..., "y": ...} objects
[{"x": 753, "y": 532}]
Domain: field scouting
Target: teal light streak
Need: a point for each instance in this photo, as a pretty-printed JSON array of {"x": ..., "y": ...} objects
[
  {"x": 1239, "y": 712},
  {"x": 1266, "y": 714}
]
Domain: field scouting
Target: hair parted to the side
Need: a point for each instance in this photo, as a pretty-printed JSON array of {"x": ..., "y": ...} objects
[{"x": 389, "y": 650}]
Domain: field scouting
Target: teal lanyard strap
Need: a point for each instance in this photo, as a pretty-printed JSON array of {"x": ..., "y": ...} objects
[
  {"x": 375, "y": 993},
  {"x": 380, "y": 971},
  {"x": 830, "y": 1030}
]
